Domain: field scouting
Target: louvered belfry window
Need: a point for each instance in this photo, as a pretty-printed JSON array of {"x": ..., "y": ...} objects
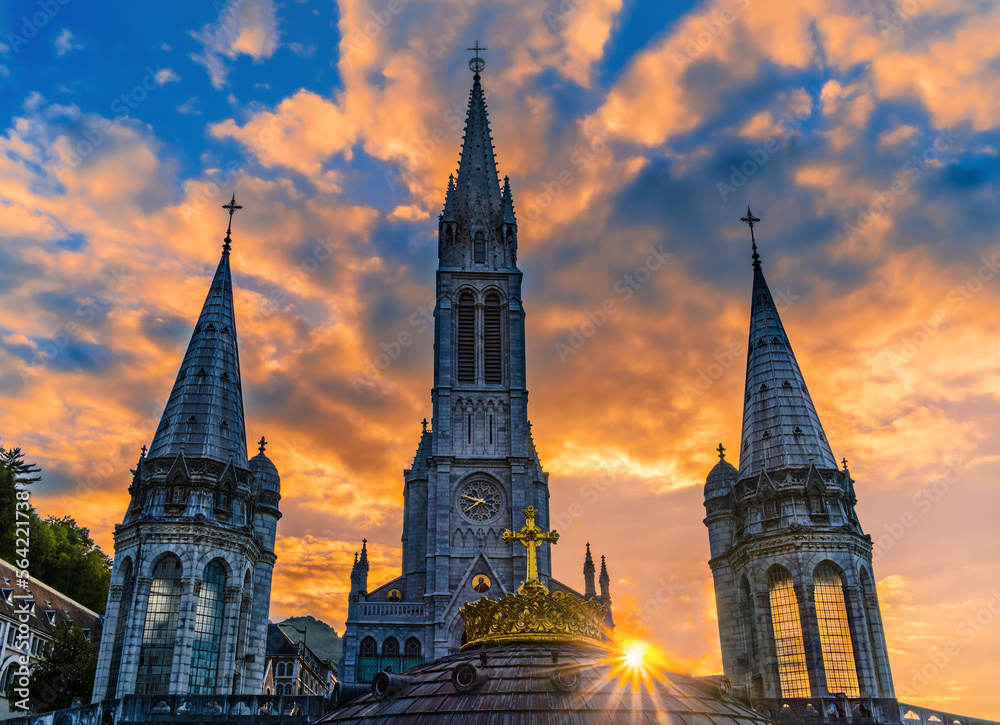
[
  {"x": 492, "y": 340},
  {"x": 466, "y": 348}
]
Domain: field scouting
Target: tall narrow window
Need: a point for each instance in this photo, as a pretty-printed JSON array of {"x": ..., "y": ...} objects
[
  {"x": 835, "y": 632},
  {"x": 479, "y": 249},
  {"x": 468, "y": 428},
  {"x": 749, "y": 624},
  {"x": 490, "y": 428},
  {"x": 244, "y": 621},
  {"x": 787, "y": 626},
  {"x": 492, "y": 340},
  {"x": 121, "y": 622},
  {"x": 159, "y": 633},
  {"x": 466, "y": 348},
  {"x": 367, "y": 660},
  {"x": 208, "y": 631},
  {"x": 390, "y": 655},
  {"x": 412, "y": 658}
]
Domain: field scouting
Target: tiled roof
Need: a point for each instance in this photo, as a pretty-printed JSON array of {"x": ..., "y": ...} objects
[{"x": 51, "y": 609}]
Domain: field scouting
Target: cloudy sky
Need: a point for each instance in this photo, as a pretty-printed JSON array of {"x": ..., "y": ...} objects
[{"x": 865, "y": 135}]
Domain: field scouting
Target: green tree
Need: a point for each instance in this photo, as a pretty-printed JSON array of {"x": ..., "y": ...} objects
[
  {"x": 14, "y": 473},
  {"x": 63, "y": 555},
  {"x": 67, "y": 672}
]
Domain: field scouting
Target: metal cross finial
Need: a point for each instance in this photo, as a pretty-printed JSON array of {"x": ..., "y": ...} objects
[
  {"x": 531, "y": 536},
  {"x": 232, "y": 206},
  {"x": 477, "y": 64},
  {"x": 262, "y": 443},
  {"x": 750, "y": 220},
  {"x": 424, "y": 424},
  {"x": 144, "y": 451},
  {"x": 845, "y": 464},
  {"x": 722, "y": 452}
]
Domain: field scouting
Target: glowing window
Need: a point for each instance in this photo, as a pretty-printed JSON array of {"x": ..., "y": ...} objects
[
  {"x": 835, "y": 632},
  {"x": 208, "y": 630},
  {"x": 159, "y": 632},
  {"x": 787, "y": 626}
]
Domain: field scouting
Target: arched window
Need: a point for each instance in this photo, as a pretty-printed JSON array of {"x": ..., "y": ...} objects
[
  {"x": 787, "y": 625},
  {"x": 412, "y": 656},
  {"x": 465, "y": 365},
  {"x": 121, "y": 622},
  {"x": 835, "y": 632},
  {"x": 279, "y": 669},
  {"x": 390, "y": 655},
  {"x": 479, "y": 248},
  {"x": 159, "y": 632},
  {"x": 870, "y": 614},
  {"x": 367, "y": 660},
  {"x": 492, "y": 340},
  {"x": 208, "y": 630}
]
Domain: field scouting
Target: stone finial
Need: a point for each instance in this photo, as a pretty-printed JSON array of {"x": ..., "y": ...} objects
[{"x": 262, "y": 443}]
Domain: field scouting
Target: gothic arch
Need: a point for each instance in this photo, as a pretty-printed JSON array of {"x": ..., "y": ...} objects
[
  {"x": 786, "y": 628},
  {"x": 836, "y": 642},
  {"x": 159, "y": 629}
]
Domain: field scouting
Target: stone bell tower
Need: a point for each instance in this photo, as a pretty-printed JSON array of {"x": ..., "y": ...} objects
[{"x": 795, "y": 590}]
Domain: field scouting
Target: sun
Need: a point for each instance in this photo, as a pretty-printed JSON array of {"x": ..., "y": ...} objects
[{"x": 635, "y": 655}]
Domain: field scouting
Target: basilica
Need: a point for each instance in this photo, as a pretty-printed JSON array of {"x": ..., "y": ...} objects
[{"x": 475, "y": 629}]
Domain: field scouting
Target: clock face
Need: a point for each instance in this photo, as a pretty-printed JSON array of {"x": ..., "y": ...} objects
[{"x": 480, "y": 501}]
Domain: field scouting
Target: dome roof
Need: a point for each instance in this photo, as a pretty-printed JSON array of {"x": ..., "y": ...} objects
[
  {"x": 265, "y": 473},
  {"x": 539, "y": 682},
  {"x": 720, "y": 479}
]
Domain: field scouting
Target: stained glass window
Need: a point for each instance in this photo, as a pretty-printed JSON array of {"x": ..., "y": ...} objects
[
  {"x": 367, "y": 660},
  {"x": 785, "y": 620},
  {"x": 208, "y": 630},
  {"x": 413, "y": 656},
  {"x": 159, "y": 632},
  {"x": 121, "y": 622},
  {"x": 390, "y": 655},
  {"x": 835, "y": 632}
]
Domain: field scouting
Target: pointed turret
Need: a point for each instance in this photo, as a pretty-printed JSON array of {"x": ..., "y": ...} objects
[
  {"x": 508, "y": 203},
  {"x": 781, "y": 428},
  {"x": 605, "y": 582},
  {"x": 204, "y": 412},
  {"x": 448, "y": 213},
  {"x": 588, "y": 575}
]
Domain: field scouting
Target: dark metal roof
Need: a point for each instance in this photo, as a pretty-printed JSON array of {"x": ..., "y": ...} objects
[
  {"x": 720, "y": 479},
  {"x": 781, "y": 428},
  {"x": 520, "y": 690},
  {"x": 51, "y": 607},
  {"x": 477, "y": 185},
  {"x": 205, "y": 410}
]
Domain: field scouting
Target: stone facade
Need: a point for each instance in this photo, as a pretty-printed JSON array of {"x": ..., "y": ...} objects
[
  {"x": 798, "y": 611},
  {"x": 476, "y": 467},
  {"x": 191, "y": 582}
]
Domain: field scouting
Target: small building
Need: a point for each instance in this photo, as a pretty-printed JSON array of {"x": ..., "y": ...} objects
[
  {"x": 294, "y": 669},
  {"x": 44, "y": 610}
]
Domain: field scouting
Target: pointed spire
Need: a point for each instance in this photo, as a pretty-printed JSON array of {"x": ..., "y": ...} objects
[
  {"x": 508, "y": 203},
  {"x": 588, "y": 575},
  {"x": 363, "y": 561},
  {"x": 449, "y": 200},
  {"x": 477, "y": 187},
  {"x": 605, "y": 580},
  {"x": 205, "y": 409},
  {"x": 781, "y": 428}
]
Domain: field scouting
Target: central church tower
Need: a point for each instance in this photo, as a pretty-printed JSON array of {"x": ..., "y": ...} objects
[{"x": 476, "y": 467}]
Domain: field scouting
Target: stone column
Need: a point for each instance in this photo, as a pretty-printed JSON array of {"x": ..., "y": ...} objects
[
  {"x": 881, "y": 655},
  {"x": 864, "y": 658},
  {"x": 180, "y": 671},
  {"x": 104, "y": 653},
  {"x": 810, "y": 639},
  {"x": 227, "y": 643},
  {"x": 766, "y": 649},
  {"x": 132, "y": 647}
]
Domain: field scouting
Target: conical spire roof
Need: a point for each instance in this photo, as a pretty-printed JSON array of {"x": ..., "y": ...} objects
[
  {"x": 588, "y": 574},
  {"x": 477, "y": 187},
  {"x": 781, "y": 428},
  {"x": 204, "y": 413}
]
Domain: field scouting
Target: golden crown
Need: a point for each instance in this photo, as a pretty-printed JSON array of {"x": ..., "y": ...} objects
[{"x": 533, "y": 615}]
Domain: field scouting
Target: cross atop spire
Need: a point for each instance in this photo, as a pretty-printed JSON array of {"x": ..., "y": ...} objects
[
  {"x": 531, "y": 536},
  {"x": 477, "y": 64},
  {"x": 722, "y": 452},
  {"x": 261, "y": 443},
  {"x": 750, "y": 220},
  {"x": 232, "y": 207}
]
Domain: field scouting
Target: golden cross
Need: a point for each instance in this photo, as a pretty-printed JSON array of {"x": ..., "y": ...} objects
[{"x": 531, "y": 536}]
